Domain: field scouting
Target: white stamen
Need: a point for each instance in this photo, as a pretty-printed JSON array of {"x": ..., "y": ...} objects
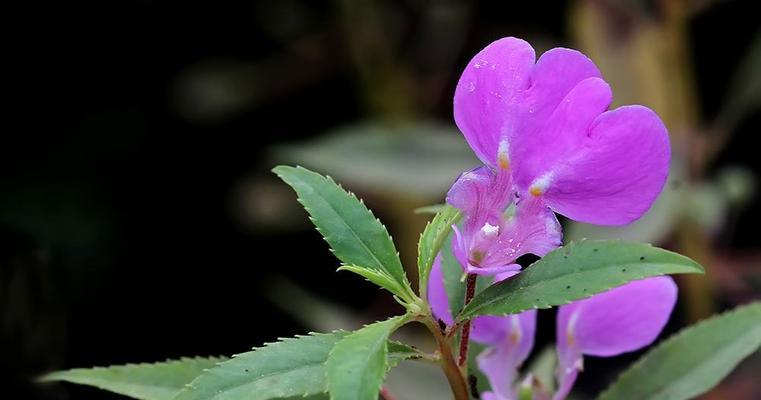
[{"x": 490, "y": 230}]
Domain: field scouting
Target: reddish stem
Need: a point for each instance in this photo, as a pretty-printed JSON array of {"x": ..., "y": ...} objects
[{"x": 470, "y": 291}]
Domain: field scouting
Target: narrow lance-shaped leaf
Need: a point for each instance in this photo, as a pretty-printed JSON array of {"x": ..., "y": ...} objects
[
  {"x": 576, "y": 271},
  {"x": 159, "y": 381},
  {"x": 380, "y": 278},
  {"x": 431, "y": 241},
  {"x": 293, "y": 367},
  {"x": 694, "y": 360},
  {"x": 355, "y": 236},
  {"x": 358, "y": 363}
]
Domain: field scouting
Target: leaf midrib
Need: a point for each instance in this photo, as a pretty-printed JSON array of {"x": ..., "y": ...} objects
[
  {"x": 343, "y": 221},
  {"x": 735, "y": 343},
  {"x": 367, "y": 360},
  {"x": 278, "y": 372},
  {"x": 98, "y": 383}
]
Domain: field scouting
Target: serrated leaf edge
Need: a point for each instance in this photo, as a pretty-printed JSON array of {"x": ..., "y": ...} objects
[
  {"x": 405, "y": 281},
  {"x": 472, "y": 313}
]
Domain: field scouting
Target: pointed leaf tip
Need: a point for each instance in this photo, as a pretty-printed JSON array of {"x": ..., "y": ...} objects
[{"x": 354, "y": 234}]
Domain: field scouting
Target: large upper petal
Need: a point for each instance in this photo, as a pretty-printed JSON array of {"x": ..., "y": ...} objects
[
  {"x": 562, "y": 134},
  {"x": 488, "y": 92},
  {"x": 555, "y": 74},
  {"x": 609, "y": 173}
]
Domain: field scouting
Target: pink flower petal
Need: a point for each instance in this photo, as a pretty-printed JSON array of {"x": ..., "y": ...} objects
[
  {"x": 482, "y": 195},
  {"x": 437, "y": 293},
  {"x": 555, "y": 74},
  {"x": 533, "y": 229},
  {"x": 487, "y": 93},
  {"x": 615, "y": 172},
  {"x": 501, "y": 361},
  {"x": 620, "y": 320},
  {"x": 509, "y": 269},
  {"x": 540, "y": 153}
]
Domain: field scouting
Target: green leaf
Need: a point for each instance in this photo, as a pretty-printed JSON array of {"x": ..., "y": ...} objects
[
  {"x": 290, "y": 367},
  {"x": 159, "y": 381},
  {"x": 453, "y": 278},
  {"x": 380, "y": 278},
  {"x": 431, "y": 240},
  {"x": 358, "y": 363},
  {"x": 694, "y": 360},
  {"x": 398, "y": 352},
  {"x": 576, "y": 271},
  {"x": 293, "y": 367},
  {"x": 355, "y": 236}
]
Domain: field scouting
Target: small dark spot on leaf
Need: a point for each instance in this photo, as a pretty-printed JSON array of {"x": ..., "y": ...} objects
[
  {"x": 568, "y": 286},
  {"x": 585, "y": 290},
  {"x": 623, "y": 270},
  {"x": 246, "y": 369},
  {"x": 595, "y": 250},
  {"x": 565, "y": 256},
  {"x": 642, "y": 258}
]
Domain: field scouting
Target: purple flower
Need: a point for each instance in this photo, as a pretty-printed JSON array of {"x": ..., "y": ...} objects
[
  {"x": 620, "y": 320},
  {"x": 500, "y": 361},
  {"x": 549, "y": 144},
  {"x": 491, "y": 242},
  {"x": 623, "y": 319},
  {"x": 545, "y": 125}
]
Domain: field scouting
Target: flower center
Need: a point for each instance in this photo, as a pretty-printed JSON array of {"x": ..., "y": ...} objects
[{"x": 476, "y": 256}]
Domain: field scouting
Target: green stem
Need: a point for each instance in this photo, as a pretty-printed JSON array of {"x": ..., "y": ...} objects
[{"x": 448, "y": 364}]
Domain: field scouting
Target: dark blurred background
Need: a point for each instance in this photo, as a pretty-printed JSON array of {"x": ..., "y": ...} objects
[{"x": 139, "y": 220}]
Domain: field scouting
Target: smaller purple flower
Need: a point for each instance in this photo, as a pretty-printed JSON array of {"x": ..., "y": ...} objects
[
  {"x": 618, "y": 321},
  {"x": 623, "y": 319},
  {"x": 490, "y": 241},
  {"x": 514, "y": 338}
]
